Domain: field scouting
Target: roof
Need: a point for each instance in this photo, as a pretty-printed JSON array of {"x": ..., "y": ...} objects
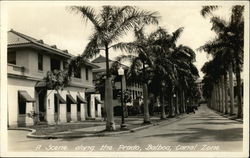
[
  {"x": 101, "y": 62},
  {"x": 100, "y": 59},
  {"x": 17, "y": 39}
]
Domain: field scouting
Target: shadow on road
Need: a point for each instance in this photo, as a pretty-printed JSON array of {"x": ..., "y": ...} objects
[
  {"x": 211, "y": 123},
  {"x": 200, "y": 134}
]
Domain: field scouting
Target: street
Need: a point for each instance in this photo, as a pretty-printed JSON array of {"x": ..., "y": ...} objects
[{"x": 203, "y": 131}]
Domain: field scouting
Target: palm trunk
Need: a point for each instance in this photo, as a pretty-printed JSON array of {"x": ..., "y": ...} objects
[
  {"x": 171, "y": 113},
  {"x": 183, "y": 102},
  {"x": 231, "y": 88},
  {"x": 145, "y": 104},
  {"x": 177, "y": 112},
  {"x": 218, "y": 97},
  {"x": 145, "y": 99},
  {"x": 222, "y": 94},
  {"x": 110, "y": 124},
  {"x": 213, "y": 98},
  {"x": 163, "y": 114},
  {"x": 239, "y": 92},
  {"x": 225, "y": 91}
]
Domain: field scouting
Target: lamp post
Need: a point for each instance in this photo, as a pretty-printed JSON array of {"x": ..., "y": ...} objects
[{"x": 121, "y": 73}]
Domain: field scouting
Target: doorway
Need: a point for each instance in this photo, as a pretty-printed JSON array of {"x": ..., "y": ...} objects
[{"x": 42, "y": 105}]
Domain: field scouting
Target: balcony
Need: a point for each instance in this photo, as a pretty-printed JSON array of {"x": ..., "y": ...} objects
[
  {"x": 76, "y": 80},
  {"x": 15, "y": 69}
]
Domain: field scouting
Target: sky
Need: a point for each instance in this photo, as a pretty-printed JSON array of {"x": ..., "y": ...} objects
[{"x": 56, "y": 25}]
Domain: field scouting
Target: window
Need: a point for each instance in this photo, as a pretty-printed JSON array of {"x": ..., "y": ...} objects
[
  {"x": 56, "y": 103},
  {"x": 87, "y": 74},
  {"x": 12, "y": 58},
  {"x": 40, "y": 62},
  {"x": 54, "y": 64},
  {"x": 77, "y": 73},
  {"x": 65, "y": 64},
  {"x": 21, "y": 105},
  {"x": 78, "y": 107},
  {"x": 68, "y": 107}
]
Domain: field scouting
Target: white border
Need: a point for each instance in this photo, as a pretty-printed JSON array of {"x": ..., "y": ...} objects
[{"x": 3, "y": 95}]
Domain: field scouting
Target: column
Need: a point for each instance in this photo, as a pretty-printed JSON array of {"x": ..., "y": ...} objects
[
  {"x": 99, "y": 113},
  {"x": 12, "y": 106},
  {"x": 82, "y": 112},
  {"x": 92, "y": 106},
  {"x": 73, "y": 112},
  {"x": 29, "y": 108},
  {"x": 62, "y": 109},
  {"x": 50, "y": 111}
]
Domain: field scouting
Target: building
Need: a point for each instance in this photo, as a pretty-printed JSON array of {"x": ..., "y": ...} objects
[
  {"x": 29, "y": 60},
  {"x": 199, "y": 85},
  {"x": 134, "y": 88}
]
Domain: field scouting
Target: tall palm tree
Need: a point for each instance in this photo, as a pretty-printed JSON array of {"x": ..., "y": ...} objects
[
  {"x": 230, "y": 38},
  {"x": 109, "y": 25},
  {"x": 187, "y": 71},
  {"x": 154, "y": 54},
  {"x": 141, "y": 59}
]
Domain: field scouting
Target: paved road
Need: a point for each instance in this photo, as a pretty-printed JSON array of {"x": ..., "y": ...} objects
[{"x": 203, "y": 131}]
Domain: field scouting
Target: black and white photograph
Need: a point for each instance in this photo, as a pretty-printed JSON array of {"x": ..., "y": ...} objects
[{"x": 124, "y": 78}]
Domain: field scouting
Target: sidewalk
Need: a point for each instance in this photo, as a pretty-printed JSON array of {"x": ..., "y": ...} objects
[
  {"x": 95, "y": 128},
  {"x": 231, "y": 117}
]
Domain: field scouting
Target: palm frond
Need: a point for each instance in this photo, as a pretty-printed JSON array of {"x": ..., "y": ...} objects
[
  {"x": 91, "y": 49},
  {"x": 219, "y": 24},
  {"x": 129, "y": 58},
  {"x": 118, "y": 16},
  {"x": 130, "y": 47},
  {"x": 207, "y": 10},
  {"x": 139, "y": 33},
  {"x": 87, "y": 13},
  {"x": 176, "y": 34},
  {"x": 133, "y": 18},
  {"x": 212, "y": 46},
  {"x": 237, "y": 14},
  {"x": 160, "y": 33}
]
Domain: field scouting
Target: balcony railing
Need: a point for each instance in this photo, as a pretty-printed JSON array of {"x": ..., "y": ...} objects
[{"x": 15, "y": 69}]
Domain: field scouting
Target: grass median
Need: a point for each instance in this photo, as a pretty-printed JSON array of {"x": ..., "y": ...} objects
[{"x": 89, "y": 127}]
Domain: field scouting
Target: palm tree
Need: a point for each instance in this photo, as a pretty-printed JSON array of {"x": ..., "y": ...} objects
[
  {"x": 109, "y": 26},
  {"x": 154, "y": 59},
  {"x": 141, "y": 60},
  {"x": 187, "y": 71},
  {"x": 173, "y": 65},
  {"x": 230, "y": 38}
]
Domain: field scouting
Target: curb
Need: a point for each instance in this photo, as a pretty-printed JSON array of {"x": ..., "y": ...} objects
[
  {"x": 227, "y": 116},
  {"x": 32, "y": 131}
]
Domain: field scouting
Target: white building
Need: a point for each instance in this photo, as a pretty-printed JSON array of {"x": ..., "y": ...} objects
[
  {"x": 29, "y": 60},
  {"x": 134, "y": 88}
]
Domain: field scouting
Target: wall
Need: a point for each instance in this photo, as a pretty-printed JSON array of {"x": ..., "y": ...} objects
[
  {"x": 83, "y": 80},
  {"x": 28, "y": 58},
  {"x": 15, "y": 84}
]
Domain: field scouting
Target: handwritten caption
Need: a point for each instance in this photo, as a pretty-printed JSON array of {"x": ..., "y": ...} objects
[{"x": 132, "y": 148}]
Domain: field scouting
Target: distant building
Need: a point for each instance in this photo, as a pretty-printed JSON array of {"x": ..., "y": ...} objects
[
  {"x": 200, "y": 84},
  {"x": 134, "y": 88},
  {"x": 29, "y": 60}
]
